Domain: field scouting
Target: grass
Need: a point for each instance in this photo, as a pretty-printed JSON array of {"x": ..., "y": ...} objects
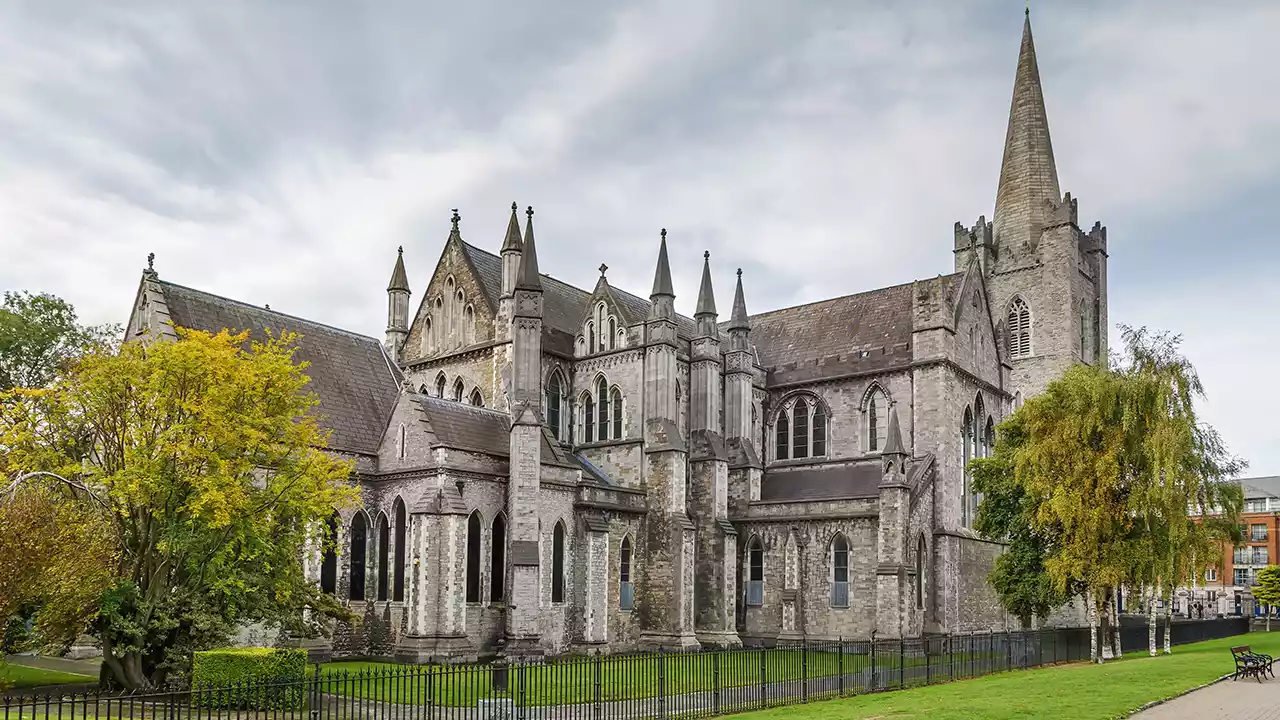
[
  {"x": 1076, "y": 692},
  {"x": 21, "y": 676}
]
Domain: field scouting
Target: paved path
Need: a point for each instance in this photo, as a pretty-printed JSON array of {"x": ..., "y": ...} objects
[
  {"x": 1244, "y": 699},
  {"x": 78, "y": 667}
]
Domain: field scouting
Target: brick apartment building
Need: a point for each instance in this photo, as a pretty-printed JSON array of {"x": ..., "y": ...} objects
[{"x": 1226, "y": 589}]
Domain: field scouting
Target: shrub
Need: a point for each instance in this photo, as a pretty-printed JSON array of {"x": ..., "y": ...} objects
[{"x": 249, "y": 678}]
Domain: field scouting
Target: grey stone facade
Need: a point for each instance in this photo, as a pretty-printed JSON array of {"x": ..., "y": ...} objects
[{"x": 546, "y": 469}]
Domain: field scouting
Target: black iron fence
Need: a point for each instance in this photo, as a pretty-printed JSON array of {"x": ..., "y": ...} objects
[{"x": 619, "y": 687}]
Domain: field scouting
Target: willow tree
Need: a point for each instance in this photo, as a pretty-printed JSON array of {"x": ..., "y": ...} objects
[{"x": 203, "y": 457}]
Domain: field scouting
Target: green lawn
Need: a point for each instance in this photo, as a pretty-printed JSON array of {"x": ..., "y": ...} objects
[
  {"x": 1074, "y": 692},
  {"x": 21, "y": 676}
]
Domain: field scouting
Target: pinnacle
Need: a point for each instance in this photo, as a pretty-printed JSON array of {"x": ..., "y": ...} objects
[
  {"x": 399, "y": 280},
  {"x": 1028, "y": 172},
  {"x": 893, "y": 443},
  {"x": 662, "y": 276},
  {"x": 738, "y": 318},
  {"x": 706, "y": 296},
  {"x": 528, "y": 278},
  {"x": 513, "y": 241}
]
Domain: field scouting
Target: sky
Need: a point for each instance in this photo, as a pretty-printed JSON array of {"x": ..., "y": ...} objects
[{"x": 278, "y": 153}]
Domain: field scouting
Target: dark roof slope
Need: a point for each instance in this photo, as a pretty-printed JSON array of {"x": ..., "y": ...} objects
[
  {"x": 1260, "y": 487},
  {"x": 475, "y": 429},
  {"x": 563, "y": 305},
  {"x": 820, "y": 339},
  {"x": 802, "y": 484},
  {"x": 350, "y": 374}
]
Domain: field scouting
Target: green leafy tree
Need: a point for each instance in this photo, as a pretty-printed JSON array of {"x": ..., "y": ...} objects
[
  {"x": 1267, "y": 590},
  {"x": 40, "y": 337},
  {"x": 202, "y": 460}
]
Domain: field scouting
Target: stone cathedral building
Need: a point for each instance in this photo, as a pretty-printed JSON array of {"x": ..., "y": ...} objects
[{"x": 546, "y": 468}]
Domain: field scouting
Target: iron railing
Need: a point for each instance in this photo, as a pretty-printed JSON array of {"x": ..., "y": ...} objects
[{"x": 620, "y": 687}]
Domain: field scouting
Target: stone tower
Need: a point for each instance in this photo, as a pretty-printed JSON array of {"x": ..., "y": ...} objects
[
  {"x": 397, "y": 308},
  {"x": 716, "y": 570},
  {"x": 745, "y": 467},
  {"x": 1046, "y": 278},
  {"x": 524, "y": 599},
  {"x": 665, "y": 605},
  {"x": 512, "y": 247}
]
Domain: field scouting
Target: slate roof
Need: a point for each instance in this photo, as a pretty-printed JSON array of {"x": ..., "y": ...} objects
[
  {"x": 563, "y": 306},
  {"x": 351, "y": 375},
  {"x": 1260, "y": 487},
  {"x": 829, "y": 337},
  {"x": 860, "y": 480},
  {"x": 476, "y": 429}
]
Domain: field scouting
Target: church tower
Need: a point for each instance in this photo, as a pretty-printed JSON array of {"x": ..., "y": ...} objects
[
  {"x": 524, "y": 600},
  {"x": 397, "y": 309},
  {"x": 1046, "y": 278},
  {"x": 666, "y": 602}
]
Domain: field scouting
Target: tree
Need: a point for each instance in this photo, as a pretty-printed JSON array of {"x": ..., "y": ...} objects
[
  {"x": 40, "y": 337},
  {"x": 1267, "y": 590},
  {"x": 204, "y": 459},
  {"x": 1119, "y": 482}
]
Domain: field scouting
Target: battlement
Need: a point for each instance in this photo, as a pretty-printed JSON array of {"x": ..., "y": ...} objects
[
  {"x": 1095, "y": 240},
  {"x": 1066, "y": 212},
  {"x": 867, "y": 359},
  {"x": 979, "y": 234}
]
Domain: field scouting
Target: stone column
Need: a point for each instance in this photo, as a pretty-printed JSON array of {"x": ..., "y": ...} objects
[
  {"x": 596, "y": 622},
  {"x": 435, "y": 592}
]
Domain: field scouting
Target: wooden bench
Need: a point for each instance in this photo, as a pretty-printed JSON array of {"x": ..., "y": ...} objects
[{"x": 1251, "y": 664}]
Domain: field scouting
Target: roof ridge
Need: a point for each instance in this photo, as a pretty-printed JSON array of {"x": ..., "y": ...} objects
[
  {"x": 850, "y": 295},
  {"x": 260, "y": 308},
  {"x": 443, "y": 402}
]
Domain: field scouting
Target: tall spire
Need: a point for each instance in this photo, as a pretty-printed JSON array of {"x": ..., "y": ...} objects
[
  {"x": 399, "y": 280},
  {"x": 893, "y": 441},
  {"x": 512, "y": 241},
  {"x": 738, "y": 319},
  {"x": 1028, "y": 174},
  {"x": 529, "y": 278},
  {"x": 662, "y": 276},
  {"x": 706, "y": 296}
]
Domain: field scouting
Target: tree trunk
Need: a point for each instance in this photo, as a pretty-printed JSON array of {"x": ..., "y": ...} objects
[
  {"x": 1168, "y": 621},
  {"x": 1097, "y": 628},
  {"x": 1149, "y": 595},
  {"x": 1116, "y": 650}
]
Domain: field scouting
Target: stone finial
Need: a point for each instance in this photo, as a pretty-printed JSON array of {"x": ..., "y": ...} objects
[
  {"x": 738, "y": 318},
  {"x": 706, "y": 296},
  {"x": 455, "y": 220},
  {"x": 528, "y": 278},
  {"x": 603, "y": 269},
  {"x": 662, "y": 274},
  {"x": 512, "y": 242},
  {"x": 151, "y": 262}
]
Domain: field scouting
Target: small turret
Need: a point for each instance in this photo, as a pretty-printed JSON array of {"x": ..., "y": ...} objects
[
  {"x": 528, "y": 278},
  {"x": 397, "y": 308},
  {"x": 894, "y": 454},
  {"x": 512, "y": 246},
  {"x": 663, "y": 297},
  {"x": 705, "y": 313}
]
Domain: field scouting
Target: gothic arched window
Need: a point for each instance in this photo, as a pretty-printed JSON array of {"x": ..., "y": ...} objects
[
  {"x": 989, "y": 438},
  {"x": 613, "y": 333},
  {"x": 921, "y": 551},
  {"x": 397, "y": 593},
  {"x": 498, "y": 560},
  {"x": 555, "y": 392},
  {"x": 469, "y": 324},
  {"x": 1019, "y": 328},
  {"x": 473, "y": 558},
  {"x": 458, "y": 389},
  {"x": 783, "y": 436},
  {"x": 440, "y": 383},
  {"x": 384, "y": 556},
  {"x": 400, "y": 446},
  {"x": 591, "y": 337},
  {"x": 800, "y": 429},
  {"x": 329, "y": 556},
  {"x": 626, "y": 590},
  {"x": 427, "y": 341},
  {"x": 588, "y": 417},
  {"x": 839, "y": 572},
  {"x": 966, "y": 444},
  {"x": 359, "y": 543},
  {"x": 615, "y": 403},
  {"x": 476, "y": 398},
  {"x": 755, "y": 573},
  {"x": 979, "y": 411},
  {"x": 557, "y": 563},
  {"x": 602, "y": 392},
  {"x": 876, "y": 414}
]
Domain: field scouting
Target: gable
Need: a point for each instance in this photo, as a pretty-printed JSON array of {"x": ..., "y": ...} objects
[{"x": 456, "y": 310}]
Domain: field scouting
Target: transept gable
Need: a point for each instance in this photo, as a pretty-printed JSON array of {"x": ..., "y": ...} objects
[
  {"x": 456, "y": 310},
  {"x": 604, "y": 323}
]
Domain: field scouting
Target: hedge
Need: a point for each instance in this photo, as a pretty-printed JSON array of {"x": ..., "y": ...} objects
[{"x": 249, "y": 678}]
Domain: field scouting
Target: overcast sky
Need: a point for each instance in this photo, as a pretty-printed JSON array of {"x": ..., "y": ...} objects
[{"x": 278, "y": 152}]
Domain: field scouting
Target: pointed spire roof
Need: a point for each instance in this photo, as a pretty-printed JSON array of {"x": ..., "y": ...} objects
[
  {"x": 738, "y": 320},
  {"x": 399, "y": 280},
  {"x": 893, "y": 443},
  {"x": 1028, "y": 174},
  {"x": 528, "y": 278},
  {"x": 706, "y": 296},
  {"x": 513, "y": 241},
  {"x": 662, "y": 276}
]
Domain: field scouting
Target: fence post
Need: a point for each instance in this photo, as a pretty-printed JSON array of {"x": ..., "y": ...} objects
[
  {"x": 520, "y": 677},
  {"x": 662, "y": 683},
  {"x": 804, "y": 672},
  {"x": 902, "y": 662},
  {"x": 840, "y": 669},
  {"x": 928, "y": 662},
  {"x": 873, "y": 662},
  {"x": 971, "y": 656},
  {"x": 599, "y": 665},
  {"x": 715, "y": 680},
  {"x": 763, "y": 677},
  {"x": 1008, "y": 649}
]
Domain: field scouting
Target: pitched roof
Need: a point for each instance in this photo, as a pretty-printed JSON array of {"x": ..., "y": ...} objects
[
  {"x": 820, "y": 339},
  {"x": 476, "y": 429},
  {"x": 351, "y": 375},
  {"x": 1260, "y": 487},
  {"x": 802, "y": 484},
  {"x": 563, "y": 305}
]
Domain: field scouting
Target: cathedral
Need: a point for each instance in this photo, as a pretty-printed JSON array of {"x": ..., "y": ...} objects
[{"x": 550, "y": 469}]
